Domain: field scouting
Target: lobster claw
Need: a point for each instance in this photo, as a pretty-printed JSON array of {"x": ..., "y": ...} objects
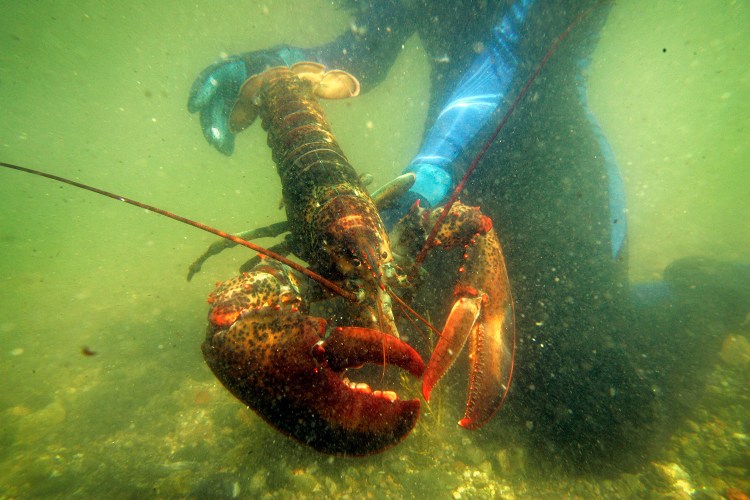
[
  {"x": 276, "y": 361},
  {"x": 482, "y": 314}
]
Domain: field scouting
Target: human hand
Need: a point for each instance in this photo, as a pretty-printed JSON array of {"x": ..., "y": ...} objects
[
  {"x": 430, "y": 187},
  {"x": 215, "y": 90}
]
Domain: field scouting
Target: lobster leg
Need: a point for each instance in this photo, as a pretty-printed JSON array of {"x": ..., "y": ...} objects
[{"x": 222, "y": 244}]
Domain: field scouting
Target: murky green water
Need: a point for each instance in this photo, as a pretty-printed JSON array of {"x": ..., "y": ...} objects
[{"x": 96, "y": 92}]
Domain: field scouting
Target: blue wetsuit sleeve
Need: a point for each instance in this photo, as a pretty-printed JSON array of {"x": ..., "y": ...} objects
[
  {"x": 368, "y": 49},
  {"x": 476, "y": 98},
  {"x": 484, "y": 90}
]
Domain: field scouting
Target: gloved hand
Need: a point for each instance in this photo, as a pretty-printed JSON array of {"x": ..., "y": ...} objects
[
  {"x": 214, "y": 91},
  {"x": 430, "y": 187},
  {"x": 433, "y": 182}
]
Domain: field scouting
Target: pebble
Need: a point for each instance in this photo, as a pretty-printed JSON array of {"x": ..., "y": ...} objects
[
  {"x": 474, "y": 455},
  {"x": 735, "y": 351},
  {"x": 303, "y": 481},
  {"x": 692, "y": 426},
  {"x": 258, "y": 481}
]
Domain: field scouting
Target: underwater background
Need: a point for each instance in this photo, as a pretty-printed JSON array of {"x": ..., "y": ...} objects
[{"x": 96, "y": 91}]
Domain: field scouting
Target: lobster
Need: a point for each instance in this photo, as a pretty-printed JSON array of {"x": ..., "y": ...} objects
[{"x": 289, "y": 366}]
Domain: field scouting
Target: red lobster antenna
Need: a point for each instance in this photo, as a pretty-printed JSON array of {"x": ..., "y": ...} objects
[
  {"x": 252, "y": 246},
  {"x": 486, "y": 146}
]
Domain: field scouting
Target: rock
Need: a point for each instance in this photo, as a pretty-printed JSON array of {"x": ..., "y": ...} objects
[
  {"x": 474, "y": 455},
  {"x": 258, "y": 481},
  {"x": 676, "y": 477},
  {"x": 735, "y": 351}
]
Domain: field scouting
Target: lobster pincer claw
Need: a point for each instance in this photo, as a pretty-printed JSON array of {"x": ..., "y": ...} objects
[
  {"x": 483, "y": 315},
  {"x": 352, "y": 346},
  {"x": 277, "y": 361}
]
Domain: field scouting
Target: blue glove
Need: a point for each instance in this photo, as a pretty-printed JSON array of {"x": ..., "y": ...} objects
[
  {"x": 431, "y": 188},
  {"x": 433, "y": 183},
  {"x": 214, "y": 91}
]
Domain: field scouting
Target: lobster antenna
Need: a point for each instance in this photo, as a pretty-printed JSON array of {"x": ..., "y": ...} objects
[
  {"x": 218, "y": 232},
  {"x": 415, "y": 326},
  {"x": 410, "y": 311},
  {"x": 486, "y": 146}
]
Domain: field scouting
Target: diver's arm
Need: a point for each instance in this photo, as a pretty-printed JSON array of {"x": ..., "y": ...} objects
[
  {"x": 524, "y": 33},
  {"x": 367, "y": 50},
  {"x": 477, "y": 97}
]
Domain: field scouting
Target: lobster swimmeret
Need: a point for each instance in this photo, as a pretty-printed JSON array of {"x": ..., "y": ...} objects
[{"x": 289, "y": 366}]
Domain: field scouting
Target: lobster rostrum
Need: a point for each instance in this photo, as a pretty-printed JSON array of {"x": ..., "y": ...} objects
[{"x": 291, "y": 367}]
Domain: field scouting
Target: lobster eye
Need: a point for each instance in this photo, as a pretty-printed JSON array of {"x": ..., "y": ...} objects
[
  {"x": 384, "y": 255},
  {"x": 356, "y": 262}
]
